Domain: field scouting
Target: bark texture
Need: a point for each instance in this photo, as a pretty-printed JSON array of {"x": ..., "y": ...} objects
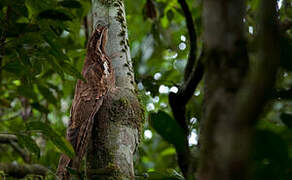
[
  {"x": 233, "y": 100},
  {"x": 118, "y": 123},
  {"x": 223, "y": 138}
]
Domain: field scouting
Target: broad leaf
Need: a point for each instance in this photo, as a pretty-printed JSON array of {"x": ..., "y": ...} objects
[{"x": 168, "y": 128}]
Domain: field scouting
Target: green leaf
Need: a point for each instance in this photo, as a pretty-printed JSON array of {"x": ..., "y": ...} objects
[
  {"x": 14, "y": 67},
  {"x": 60, "y": 142},
  {"x": 168, "y": 128},
  {"x": 16, "y": 29},
  {"x": 70, "y": 4},
  {"x": 27, "y": 90},
  {"x": 27, "y": 142},
  {"x": 40, "y": 107},
  {"x": 163, "y": 175},
  {"x": 48, "y": 95},
  {"x": 71, "y": 70},
  {"x": 287, "y": 119},
  {"x": 54, "y": 14}
]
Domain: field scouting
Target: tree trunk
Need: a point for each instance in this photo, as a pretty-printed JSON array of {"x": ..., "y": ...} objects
[
  {"x": 118, "y": 123},
  {"x": 233, "y": 101},
  {"x": 223, "y": 138}
]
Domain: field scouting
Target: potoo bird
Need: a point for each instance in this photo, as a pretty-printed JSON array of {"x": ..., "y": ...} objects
[{"x": 99, "y": 80}]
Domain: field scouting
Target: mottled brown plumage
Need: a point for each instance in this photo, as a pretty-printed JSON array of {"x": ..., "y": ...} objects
[{"x": 88, "y": 98}]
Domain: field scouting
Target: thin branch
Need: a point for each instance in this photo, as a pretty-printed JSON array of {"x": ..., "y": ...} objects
[
  {"x": 21, "y": 170},
  {"x": 193, "y": 38}
]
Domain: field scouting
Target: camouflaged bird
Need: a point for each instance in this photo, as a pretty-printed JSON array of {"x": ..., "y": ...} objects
[{"x": 89, "y": 94}]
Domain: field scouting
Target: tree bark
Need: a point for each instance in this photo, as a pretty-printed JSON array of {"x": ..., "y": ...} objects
[
  {"x": 118, "y": 124},
  {"x": 234, "y": 101},
  {"x": 222, "y": 138}
]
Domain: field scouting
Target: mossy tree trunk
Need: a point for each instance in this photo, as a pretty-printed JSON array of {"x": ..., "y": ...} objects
[{"x": 118, "y": 123}]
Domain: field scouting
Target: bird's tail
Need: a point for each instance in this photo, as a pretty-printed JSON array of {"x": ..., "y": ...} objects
[
  {"x": 79, "y": 138},
  {"x": 62, "y": 172}
]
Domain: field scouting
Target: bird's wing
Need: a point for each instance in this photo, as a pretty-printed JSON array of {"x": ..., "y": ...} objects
[{"x": 86, "y": 106}]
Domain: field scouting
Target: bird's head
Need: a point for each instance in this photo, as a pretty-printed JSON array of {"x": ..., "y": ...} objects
[{"x": 98, "y": 40}]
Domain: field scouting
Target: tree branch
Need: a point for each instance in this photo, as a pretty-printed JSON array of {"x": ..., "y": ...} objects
[
  {"x": 21, "y": 170},
  {"x": 6, "y": 138},
  {"x": 187, "y": 89},
  {"x": 193, "y": 38},
  {"x": 178, "y": 101},
  {"x": 12, "y": 139}
]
